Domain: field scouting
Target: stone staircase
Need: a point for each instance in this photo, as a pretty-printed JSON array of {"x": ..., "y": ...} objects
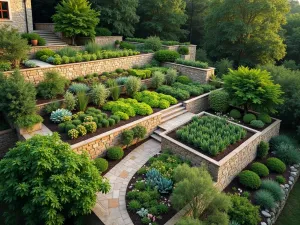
[
  {"x": 50, "y": 37},
  {"x": 170, "y": 118}
]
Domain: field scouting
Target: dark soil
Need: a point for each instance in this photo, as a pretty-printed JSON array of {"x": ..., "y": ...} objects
[
  {"x": 221, "y": 155},
  {"x": 136, "y": 219},
  {"x": 3, "y": 124}
]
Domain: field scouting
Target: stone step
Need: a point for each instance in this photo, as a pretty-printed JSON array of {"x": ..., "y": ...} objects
[
  {"x": 159, "y": 130},
  {"x": 165, "y": 119},
  {"x": 171, "y": 108},
  {"x": 166, "y": 114},
  {"x": 156, "y": 137}
]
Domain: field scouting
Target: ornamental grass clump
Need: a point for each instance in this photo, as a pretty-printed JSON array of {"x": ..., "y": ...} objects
[
  {"x": 210, "y": 135},
  {"x": 274, "y": 188},
  {"x": 264, "y": 199}
]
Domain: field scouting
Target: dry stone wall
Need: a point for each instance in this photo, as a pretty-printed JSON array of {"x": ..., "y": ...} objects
[
  {"x": 74, "y": 70},
  {"x": 196, "y": 74},
  {"x": 192, "y": 50},
  {"x": 198, "y": 104},
  {"x": 97, "y": 145},
  {"x": 8, "y": 139}
]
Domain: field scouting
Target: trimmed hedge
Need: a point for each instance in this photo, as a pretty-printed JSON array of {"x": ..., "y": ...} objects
[
  {"x": 260, "y": 169},
  {"x": 219, "y": 100},
  {"x": 249, "y": 179},
  {"x": 115, "y": 153},
  {"x": 276, "y": 165},
  {"x": 101, "y": 164},
  {"x": 166, "y": 56}
]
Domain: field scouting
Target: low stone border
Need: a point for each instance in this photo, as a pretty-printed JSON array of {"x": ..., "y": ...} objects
[
  {"x": 225, "y": 170},
  {"x": 196, "y": 74}
]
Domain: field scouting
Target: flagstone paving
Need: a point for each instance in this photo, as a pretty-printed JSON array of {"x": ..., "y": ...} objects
[{"x": 111, "y": 208}]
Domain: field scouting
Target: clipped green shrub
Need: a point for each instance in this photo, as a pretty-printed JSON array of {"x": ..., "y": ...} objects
[
  {"x": 263, "y": 149},
  {"x": 280, "y": 179},
  {"x": 153, "y": 43},
  {"x": 111, "y": 122},
  {"x": 105, "y": 123},
  {"x": 158, "y": 79},
  {"x": 257, "y": 124},
  {"x": 134, "y": 206},
  {"x": 265, "y": 118},
  {"x": 249, "y": 179},
  {"x": 73, "y": 134},
  {"x": 166, "y": 56},
  {"x": 276, "y": 165},
  {"x": 139, "y": 132},
  {"x": 122, "y": 115},
  {"x": 184, "y": 79},
  {"x": 249, "y": 117},
  {"x": 126, "y": 45},
  {"x": 28, "y": 121},
  {"x": 101, "y": 164},
  {"x": 219, "y": 100},
  {"x": 274, "y": 188},
  {"x": 127, "y": 137},
  {"x": 264, "y": 199},
  {"x": 236, "y": 114},
  {"x": 288, "y": 153},
  {"x": 198, "y": 64},
  {"x": 46, "y": 51},
  {"x": 260, "y": 169},
  {"x": 115, "y": 153},
  {"x": 183, "y": 50}
]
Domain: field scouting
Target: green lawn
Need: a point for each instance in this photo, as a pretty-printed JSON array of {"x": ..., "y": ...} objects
[{"x": 291, "y": 212}]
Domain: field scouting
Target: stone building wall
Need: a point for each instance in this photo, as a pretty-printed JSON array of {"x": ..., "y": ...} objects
[
  {"x": 74, "y": 70},
  {"x": 196, "y": 74},
  {"x": 8, "y": 139},
  {"x": 97, "y": 145},
  {"x": 17, "y": 15}
]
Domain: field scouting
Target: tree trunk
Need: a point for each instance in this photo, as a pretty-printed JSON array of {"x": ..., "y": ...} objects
[{"x": 73, "y": 40}]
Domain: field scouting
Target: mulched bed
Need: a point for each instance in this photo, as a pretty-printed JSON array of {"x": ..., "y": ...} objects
[
  {"x": 221, "y": 155},
  {"x": 136, "y": 219}
]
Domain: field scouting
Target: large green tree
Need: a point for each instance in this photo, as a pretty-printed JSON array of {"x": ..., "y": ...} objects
[
  {"x": 118, "y": 16},
  {"x": 293, "y": 37},
  {"x": 43, "y": 181},
  {"x": 163, "y": 18},
  {"x": 75, "y": 17},
  {"x": 246, "y": 31}
]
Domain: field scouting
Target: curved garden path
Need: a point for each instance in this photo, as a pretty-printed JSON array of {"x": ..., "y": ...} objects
[{"x": 111, "y": 208}]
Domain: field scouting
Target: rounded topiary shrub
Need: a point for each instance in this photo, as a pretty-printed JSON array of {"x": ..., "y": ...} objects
[
  {"x": 166, "y": 56},
  {"x": 263, "y": 149},
  {"x": 219, "y": 100},
  {"x": 257, "y": 124},
  {"x": 115, "y": 153},
  {"x": 264, "y": 199},
  {"x": 276, "y": 165},
  {"x": 249, "y": 179},
  {"x": 236, "y": 114},
  {"x": 274, "y": 188},
  {"x": 280, "y": 179},
  {"x": 260, "y": 169},
  {"x": 249, "y": 117},
  {"x": 101, "y": 164},
  {"x": 265, "y": 118}
]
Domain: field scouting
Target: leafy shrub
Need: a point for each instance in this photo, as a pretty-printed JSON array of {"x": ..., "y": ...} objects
[
  {"x": 126, "y": 45},
  {"x": 236, "y": 114},
  {"x": 78, "y": 87},
  {"x": 223, "y": 66},
  {"x": 260, "y": 169},
  {"x": 171, "y": 76},
  {"x": 274, "y": 188},
  {"x": 99, "y": 94},
  {"x": 276, "y": 165},
  {"x": 102, "y": 31},
  {"x": 143, "y": 74},
  {"x": 70, "y": 101},
  {"x": 246, "y": 194},
  {"x": 111, "y": 122},
  {"x": 157, "y": 79},
  {"x": 122, "y": 115},
  {"x": 53, "y": 85},
  {"x": 67, "y": 51},
  {"x": 5, "y": 66},
  {"x": 73, "y": 134},
  {"x": 105, "y": 123},
  {"x": 83, "y": 100},
  {"x": 133, "y": 85},
  {"x": 69, "y": 126},
  {"x": 176, "y": 93},
  {"x": 28, "y": 121},
  {"x": 249, "y": 179},
  {"x": 92, "y": 48},
  {"x": 139, "y": 132},
  {"x": 243, "y": 211},
  {"x": 101, "y": 164},
  {"x": 263, "y": 149},
  {"x": 249, "y": 117},
  {"x": 57, "y": 61},
  {"x": 264, "y": 117},
  {"x": 115, "y": 153},
  {"x": 280, "y": 179},
  {"x": 183, "y": 79},
  {"x": 203, "y": 133},
  {"x": 183, "y": 50},
  {"x": 288, "y": 153},
  {"x": 90, "y": 127},
  {"x": 46, "y": 51},
  {"x": 115, "y": 118},
  {"x": 194, "y": 89},
  {"x": 58, "y": 115},
  {"x": 197, "y": 64},
  {"x": 49, "y": 108},
  {"x": 219, "y": 100},
  {"x": 127, "y": 137},
  {"x": 65, "y": 60},
  {"x": 189, "y": 221},
  {"x": 153, "y": 43},
  {"x": 81, "y": 130},
  {"x": 265, "y": 199},
  {"x": 257, "y": 124},
  {"x": 166, "y": 56}
]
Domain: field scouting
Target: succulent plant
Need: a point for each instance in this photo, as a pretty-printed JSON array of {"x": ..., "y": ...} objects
[
  {"x": 164, "y": 185},
  {"x": 142, "y": 212},
  {"x": 155, "y": 179},
  {"x": 58, "y": 115}
]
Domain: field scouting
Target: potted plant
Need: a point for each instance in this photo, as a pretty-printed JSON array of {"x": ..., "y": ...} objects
[
  {"x": 34, "y": 39},
  {"x": 117, "y": 43}
]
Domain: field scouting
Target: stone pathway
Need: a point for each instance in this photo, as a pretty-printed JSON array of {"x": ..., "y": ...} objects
[
  {"x": 40, "y": 63},
  {"x": 111, "y": 208},
  {"x": 44, "y": 131},
  {"x": 175, "y": 122}
]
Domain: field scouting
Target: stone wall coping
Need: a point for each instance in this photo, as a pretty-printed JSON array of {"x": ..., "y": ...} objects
[
  {"x": 134, "y": 42},
  {"x": 80, "y": 63},
  {"x": 82, "y": 143},
  {"x": 200, "y": 96},
  {"x": 271, "y": 126},
  {"x": 191, "y": 67},
  {"x": 2, "y": 132}
]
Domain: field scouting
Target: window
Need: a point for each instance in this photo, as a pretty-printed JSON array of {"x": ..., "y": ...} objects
[{"x": 4, "y": 11}]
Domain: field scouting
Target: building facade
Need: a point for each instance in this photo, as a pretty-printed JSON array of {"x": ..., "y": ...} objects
[{"x": 16, "y": 13}]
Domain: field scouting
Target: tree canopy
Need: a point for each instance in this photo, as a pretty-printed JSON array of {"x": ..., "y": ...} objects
[
  {"x": 246, "y": 31},
  {"x": 43, "y": 180},
  {"x": 118, "y": 16},
  {"x": 75, "y": 17},
  {"x": 293, "y": 37},
  {"x": 162, "y": 18}
]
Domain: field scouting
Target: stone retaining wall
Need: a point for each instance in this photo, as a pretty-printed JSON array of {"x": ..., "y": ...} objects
[
  {"x": 73, "y": 70},
  {"x": 97, "y": 145},
  {"x": 8, "y": 139},
  {"x": 198, "y": 104},
  {"x": 225, "y": 170},
  {"x": 196, "y": 74}
]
